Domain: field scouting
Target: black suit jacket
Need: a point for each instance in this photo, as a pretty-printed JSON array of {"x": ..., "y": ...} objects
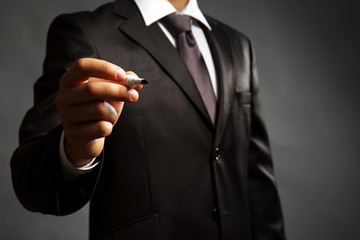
[{"x": 166, "y": 171}]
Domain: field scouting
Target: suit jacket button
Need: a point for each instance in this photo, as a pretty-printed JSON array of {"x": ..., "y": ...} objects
[
  {"x": 215, "y": 214},
  {"x": 217, "y": 156}
]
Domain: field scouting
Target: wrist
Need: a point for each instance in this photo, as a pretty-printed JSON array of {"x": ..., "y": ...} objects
[{"x": 71, "y": 156}]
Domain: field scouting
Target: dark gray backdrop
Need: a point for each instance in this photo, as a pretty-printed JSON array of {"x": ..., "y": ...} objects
[{"x": 308, "y": 59}]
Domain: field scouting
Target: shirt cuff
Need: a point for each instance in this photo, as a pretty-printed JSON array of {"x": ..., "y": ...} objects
[{"x": 66, "y": 164}]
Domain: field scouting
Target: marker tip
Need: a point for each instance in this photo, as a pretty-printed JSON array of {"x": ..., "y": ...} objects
[{"x": 144, "y": 81}]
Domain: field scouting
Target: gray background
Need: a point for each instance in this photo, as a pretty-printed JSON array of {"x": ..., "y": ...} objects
[{"x": 308, "y": 59}]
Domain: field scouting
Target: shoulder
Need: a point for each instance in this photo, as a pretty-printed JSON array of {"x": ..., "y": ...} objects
[
  {"x": 225, "y": 28},
  {"x": 236, "y": 37},
  {"x": 88, "y": 19}
]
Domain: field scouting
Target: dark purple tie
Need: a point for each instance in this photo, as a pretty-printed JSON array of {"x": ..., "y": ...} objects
[{"x": 180, "y": 28}]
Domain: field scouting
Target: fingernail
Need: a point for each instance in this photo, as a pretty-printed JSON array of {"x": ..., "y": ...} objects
[
  {"x": 120, "y": 74},
  {"x": 134, "y": 95},
  {"x": 110, "y": 108}
]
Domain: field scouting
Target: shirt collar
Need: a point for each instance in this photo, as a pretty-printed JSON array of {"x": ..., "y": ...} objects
[{"x": 154, "y": 10}]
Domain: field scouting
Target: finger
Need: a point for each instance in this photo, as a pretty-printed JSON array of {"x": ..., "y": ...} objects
[
  {"x": 75, "y": 115},
  {"x": 131, "y": 73},
  {"x": 122, "y": 82},
  {"x": 118, "y": 106},
  {"x": 89, "y": 131},
  {"x": 97, "y": 90},
  {"x": 90, "y": 67},
  {"x": 78, "y": 152}
]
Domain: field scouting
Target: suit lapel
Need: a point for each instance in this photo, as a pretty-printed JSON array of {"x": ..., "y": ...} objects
[
  {"x": 154, "y": 41},
  {"x": 224, "y": 65}
]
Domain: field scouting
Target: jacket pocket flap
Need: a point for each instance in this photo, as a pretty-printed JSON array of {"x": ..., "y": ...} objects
[{"x": 142, "y": 228}]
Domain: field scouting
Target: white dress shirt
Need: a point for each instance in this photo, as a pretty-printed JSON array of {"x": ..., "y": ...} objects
[{"x": 152, "y": 11}]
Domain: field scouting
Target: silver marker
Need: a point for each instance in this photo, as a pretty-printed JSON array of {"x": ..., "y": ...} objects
[{"x": 132, "y": 81}]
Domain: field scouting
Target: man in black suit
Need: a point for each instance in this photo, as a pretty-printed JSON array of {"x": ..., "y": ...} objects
[{"x": 158, "y": 167}]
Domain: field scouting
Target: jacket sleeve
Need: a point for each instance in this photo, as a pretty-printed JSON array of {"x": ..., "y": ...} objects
[
  {"x": 35, "y": 164},
  {"x": 265, "y": 207}
]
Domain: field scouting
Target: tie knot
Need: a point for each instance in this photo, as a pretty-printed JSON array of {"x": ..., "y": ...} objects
[{"x": 177, "y": 23}]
